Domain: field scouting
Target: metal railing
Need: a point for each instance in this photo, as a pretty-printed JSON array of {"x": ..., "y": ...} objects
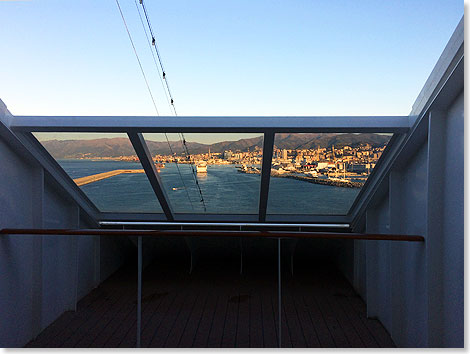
[{"x": 279, "y": 235}]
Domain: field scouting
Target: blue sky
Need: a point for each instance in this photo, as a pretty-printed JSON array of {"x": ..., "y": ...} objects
[{"x": 222, "y": 57}]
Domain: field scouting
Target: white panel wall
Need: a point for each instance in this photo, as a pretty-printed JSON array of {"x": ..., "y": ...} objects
[
  {"x": 377, "y": 257},
  {"x": 453, "y": 227},
  {"x": 16, "y": 254},
  {"x": 417, "y": 289},
  {"x": 43, "y": 276}
]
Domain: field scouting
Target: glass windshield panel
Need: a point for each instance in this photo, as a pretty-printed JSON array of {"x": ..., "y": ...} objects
[
  {"x": 321, "y": 173},
  {"x": 106, "y": 168},
  {"x": 209, "y": 173}
]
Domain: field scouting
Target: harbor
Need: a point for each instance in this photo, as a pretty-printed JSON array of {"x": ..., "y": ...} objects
[
  {"x": 218, "y": 183},
  {"x": 327, "y": 181}
]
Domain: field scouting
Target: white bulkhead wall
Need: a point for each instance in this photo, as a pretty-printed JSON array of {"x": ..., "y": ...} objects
[
  {"x": 417, "y": 290},
  {"x": 41, "y": 276}
]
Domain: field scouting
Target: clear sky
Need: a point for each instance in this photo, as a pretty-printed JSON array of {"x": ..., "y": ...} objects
[{"x": 228, "y": 57}]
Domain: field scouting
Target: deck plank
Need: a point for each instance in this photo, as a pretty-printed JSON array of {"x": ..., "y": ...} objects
[
  {"x": 309, "y": 331},
  {"x": 256, "y": 320},
  {"x": 153, "y": 290},
  {"x": 330, "y": 289},
  {"x": 49, "y": 334},
  {"x": 155, "y": 315},
  {"x": 195, "y": 317},
  {"x": 169, "y": 317},
  {"x": 184, "y": 317},
  {"x": 84, "y": 319},
  {"x": 292, "y": 321},
  {"x": 218, "y": 308},
  {"x": 207, "y": 318},
  {"x": 217, "y": 328},
  {"x": 231, "y": 316},
  {"x": 91, "y": 331},
  {"x": 320, "y": 310},
  {"x": 341, "y": 298},
  {"x": 243, "y": 321},
  {"x": 316, "y": 318}
]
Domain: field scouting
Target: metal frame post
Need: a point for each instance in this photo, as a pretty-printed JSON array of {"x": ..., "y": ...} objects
[
  {"x": 268, "y": 146},
  {"x": 279, "y": 289},
  {"x": 143, "y": 153},
  {"x": 139, "y": 289}
]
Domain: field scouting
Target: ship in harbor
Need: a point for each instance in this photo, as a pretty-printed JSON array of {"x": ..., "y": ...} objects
[
  {"x": 248, "y": 169},
  {"x": 201, "y": 167}
]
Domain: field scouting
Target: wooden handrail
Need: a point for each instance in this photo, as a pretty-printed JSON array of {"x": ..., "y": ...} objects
[{"x": 214, "y": 233}]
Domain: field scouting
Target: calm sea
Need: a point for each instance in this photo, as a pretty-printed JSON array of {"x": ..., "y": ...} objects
[{"x": 224, "y": 190}]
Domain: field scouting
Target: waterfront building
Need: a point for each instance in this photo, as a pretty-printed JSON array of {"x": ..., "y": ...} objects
[
  {"x": 227, "y": 155},
  {"x": 284, "y": 154}
]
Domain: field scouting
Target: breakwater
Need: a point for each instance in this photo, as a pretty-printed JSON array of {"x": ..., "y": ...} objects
[{"x": 99, "y": 176}]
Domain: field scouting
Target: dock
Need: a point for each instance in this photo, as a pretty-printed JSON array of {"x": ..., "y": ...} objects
[
  {"x": 323, "y": 181},
  {"x": 100, "y": 176},
  {"x": 315, "y": 180}
]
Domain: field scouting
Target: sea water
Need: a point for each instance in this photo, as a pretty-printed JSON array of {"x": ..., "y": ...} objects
[{"x": 224, "y": 190}]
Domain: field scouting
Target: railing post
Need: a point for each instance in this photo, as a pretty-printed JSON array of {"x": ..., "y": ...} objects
[{"x": 139, "y": 289}]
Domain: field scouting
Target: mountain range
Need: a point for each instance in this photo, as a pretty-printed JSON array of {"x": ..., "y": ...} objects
[{"x": 115, "y": 147}]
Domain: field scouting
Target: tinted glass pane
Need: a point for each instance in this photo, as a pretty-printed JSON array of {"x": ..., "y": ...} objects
[
  {"x": 106, "y": 168},
  {"x": 226, "y": 167},
  {"x": 321, "y": 173}
]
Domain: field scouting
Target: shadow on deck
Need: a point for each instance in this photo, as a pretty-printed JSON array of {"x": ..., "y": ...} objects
[{"x": 216, "y": 306}]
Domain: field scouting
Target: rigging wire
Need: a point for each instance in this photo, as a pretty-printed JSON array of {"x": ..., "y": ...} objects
[
  {"x": 137, "y": 56},
  {"x": 172, "y": 103},
  {"x": 150, "y": 91},
  {"x": 166, "y": 95},
  {"x": 154, "y": 43}
]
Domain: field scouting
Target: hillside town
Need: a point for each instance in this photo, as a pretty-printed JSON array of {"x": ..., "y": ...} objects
[{"x": 344, "y": 164}]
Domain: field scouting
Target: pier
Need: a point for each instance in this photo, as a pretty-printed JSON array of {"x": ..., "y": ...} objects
[
  {"x": 315, "y": 180},
  {"x": 98, "y": 177},
  {"x": 324, "y": 181}
]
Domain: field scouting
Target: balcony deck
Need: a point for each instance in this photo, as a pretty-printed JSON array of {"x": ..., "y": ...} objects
[{"x": 215, "y": 306}]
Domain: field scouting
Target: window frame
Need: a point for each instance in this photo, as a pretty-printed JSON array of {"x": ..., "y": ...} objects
[{"x": 134, "y": 127}]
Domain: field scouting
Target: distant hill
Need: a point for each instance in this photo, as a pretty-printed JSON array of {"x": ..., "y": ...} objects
[
  {"x": 115, "y": 147},
  {"x": 321, "y": 140}
]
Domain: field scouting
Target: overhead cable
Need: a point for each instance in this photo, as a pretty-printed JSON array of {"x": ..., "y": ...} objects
[
  {"x": 166, "y": 95},
  {"x": 172, "y": 102},
  {"x": 150, "y": 93}
]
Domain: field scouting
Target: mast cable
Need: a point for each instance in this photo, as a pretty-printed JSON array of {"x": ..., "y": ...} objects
[
  {"x": 166, "y": 95},
  {"x": 150, "y": 92},
  {"x": 137, "y": 56},
  {"x": 172, "y": 103}
]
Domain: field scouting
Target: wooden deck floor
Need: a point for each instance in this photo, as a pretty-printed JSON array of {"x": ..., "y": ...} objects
[{"x": 218, "y": 307}]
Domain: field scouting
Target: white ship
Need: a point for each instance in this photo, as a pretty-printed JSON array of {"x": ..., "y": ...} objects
[
  {"x": 201, "y": 167},
  {"x": 280, "y": 170}
]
